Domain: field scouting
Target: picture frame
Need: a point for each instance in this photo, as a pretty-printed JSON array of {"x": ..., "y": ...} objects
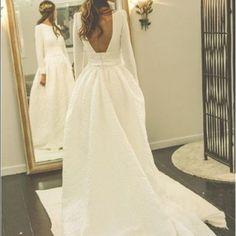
[{"x": 65, "y": 21}]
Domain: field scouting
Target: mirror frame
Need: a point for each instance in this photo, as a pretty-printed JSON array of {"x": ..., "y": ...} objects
[{"x": 31, "y": 165}]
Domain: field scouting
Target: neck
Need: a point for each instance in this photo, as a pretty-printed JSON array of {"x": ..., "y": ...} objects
[{"x": 47, "y": 22}]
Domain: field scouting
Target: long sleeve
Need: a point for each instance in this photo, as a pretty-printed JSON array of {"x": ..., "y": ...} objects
[
  {"x": 65, "y": 51},
  {"x": 126, "y": 48},
  {"x": 79, "y": 55},
  {"x": 64, "y": 48},
  {"x": 39, "y": 45}
]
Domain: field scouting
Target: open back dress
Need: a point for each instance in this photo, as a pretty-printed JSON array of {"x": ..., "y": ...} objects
[{"x": 111, "y": 186}]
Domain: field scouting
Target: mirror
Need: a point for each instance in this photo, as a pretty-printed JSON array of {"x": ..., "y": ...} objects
[{"x": 43, "y": 110}]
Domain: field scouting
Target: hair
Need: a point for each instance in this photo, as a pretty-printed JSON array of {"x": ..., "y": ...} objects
[
  {"x": 47, "y": 10},
  {"x": 90, "y": 16}
]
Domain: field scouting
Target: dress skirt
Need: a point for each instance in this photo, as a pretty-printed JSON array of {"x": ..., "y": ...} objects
[
  {"x": 111, "y": 186},
  {"x": 48, "y": 105}
]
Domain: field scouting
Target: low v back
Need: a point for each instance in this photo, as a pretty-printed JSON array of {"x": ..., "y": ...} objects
[
  {"x": 100, "y": 43},
  {"x": 105, "y": 43},
  {"x": 113, "y": 48}
]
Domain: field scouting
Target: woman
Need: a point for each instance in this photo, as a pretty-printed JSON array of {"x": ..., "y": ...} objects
[
  {"x": 53, "y": 82},
  {"x": 111, "y": 186}
]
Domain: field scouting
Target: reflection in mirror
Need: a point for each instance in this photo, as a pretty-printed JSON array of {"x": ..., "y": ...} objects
[{"x": 46, "y": 46}]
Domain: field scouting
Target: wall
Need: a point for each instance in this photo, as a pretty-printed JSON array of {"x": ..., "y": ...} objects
[
  {"x": 168, "y": 57},
  {"x": 169, "y": 67},
  {"x": 13, "y": 160}
]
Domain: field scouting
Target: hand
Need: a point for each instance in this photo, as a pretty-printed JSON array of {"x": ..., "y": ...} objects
[{"x": 43, "y": 79}]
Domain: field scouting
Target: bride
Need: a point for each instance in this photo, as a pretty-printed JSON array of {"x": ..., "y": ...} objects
[
  {"x": 53, "y": 82},
  {"x": 111, "y": 186}
]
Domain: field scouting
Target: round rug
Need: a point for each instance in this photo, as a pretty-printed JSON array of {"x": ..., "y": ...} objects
[{"x": 190, "y": 159}]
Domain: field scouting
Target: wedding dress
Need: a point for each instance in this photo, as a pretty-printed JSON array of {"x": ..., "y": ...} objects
[
  {"x": 111, "y": 186},
  {"x": 48, "y": 105}
]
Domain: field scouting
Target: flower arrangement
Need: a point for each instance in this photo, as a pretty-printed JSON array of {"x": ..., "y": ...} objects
[{"x": 144, "y": 8}]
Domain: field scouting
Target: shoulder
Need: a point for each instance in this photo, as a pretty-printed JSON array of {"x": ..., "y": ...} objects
[
  {"x": 123, "y": 16},
  {"x": 38, "y": 28},
  {"x": 77, "y": 19},
  {"x": 77, "y": 15},
  {"x": 123, "y": 13},
  {"x": 120, "y": 15}
]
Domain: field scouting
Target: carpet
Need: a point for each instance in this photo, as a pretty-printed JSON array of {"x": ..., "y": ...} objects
[{"x": 190, "y": 159}]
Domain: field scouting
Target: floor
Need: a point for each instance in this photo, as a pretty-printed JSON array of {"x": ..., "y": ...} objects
[{"x": 23, "y": 214}]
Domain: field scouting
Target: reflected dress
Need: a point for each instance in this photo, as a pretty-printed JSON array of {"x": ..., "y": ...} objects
[
  {"x": 48, "y": 105},
  {"x": 111, "y": 186}
]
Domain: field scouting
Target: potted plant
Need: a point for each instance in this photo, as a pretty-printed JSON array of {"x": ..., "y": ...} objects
[{"x": 144, "y": 8}]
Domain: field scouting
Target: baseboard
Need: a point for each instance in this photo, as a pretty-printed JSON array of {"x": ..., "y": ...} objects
[
  {"x": 17, "y": 169},
  {"x": 175, "y": 141},
  {"x": 13, "y": 170}
]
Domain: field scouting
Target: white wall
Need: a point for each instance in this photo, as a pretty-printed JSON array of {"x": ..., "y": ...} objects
[
  {"x": 13, "y": 160},
  {"x": 168, "y": 57},
  {"x": 169, "y": 67}
]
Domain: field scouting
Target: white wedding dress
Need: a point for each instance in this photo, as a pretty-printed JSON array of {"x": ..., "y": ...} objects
[
  {"x": 111, "y": 186},
  {"x": 48, "y": 105}
]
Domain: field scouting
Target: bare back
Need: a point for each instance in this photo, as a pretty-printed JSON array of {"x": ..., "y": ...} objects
[{"x": 101, "y": 43}]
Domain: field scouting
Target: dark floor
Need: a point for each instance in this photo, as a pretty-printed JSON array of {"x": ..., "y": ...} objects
[{"x": 23, "y": 213}]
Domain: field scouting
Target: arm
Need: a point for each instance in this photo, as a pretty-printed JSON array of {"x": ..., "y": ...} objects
[
  {"x": 126, "y": 48},
  {"x": 39, "y": 44},
  {"x": 64, "y": 46},
  {"x": 65, "y": 51},
  {"x": 79, "y": 57}
]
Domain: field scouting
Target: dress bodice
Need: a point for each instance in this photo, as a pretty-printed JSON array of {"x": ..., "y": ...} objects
[
  {"x": 48, "y": 44},
  {"x": 119, "y": 50}
]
